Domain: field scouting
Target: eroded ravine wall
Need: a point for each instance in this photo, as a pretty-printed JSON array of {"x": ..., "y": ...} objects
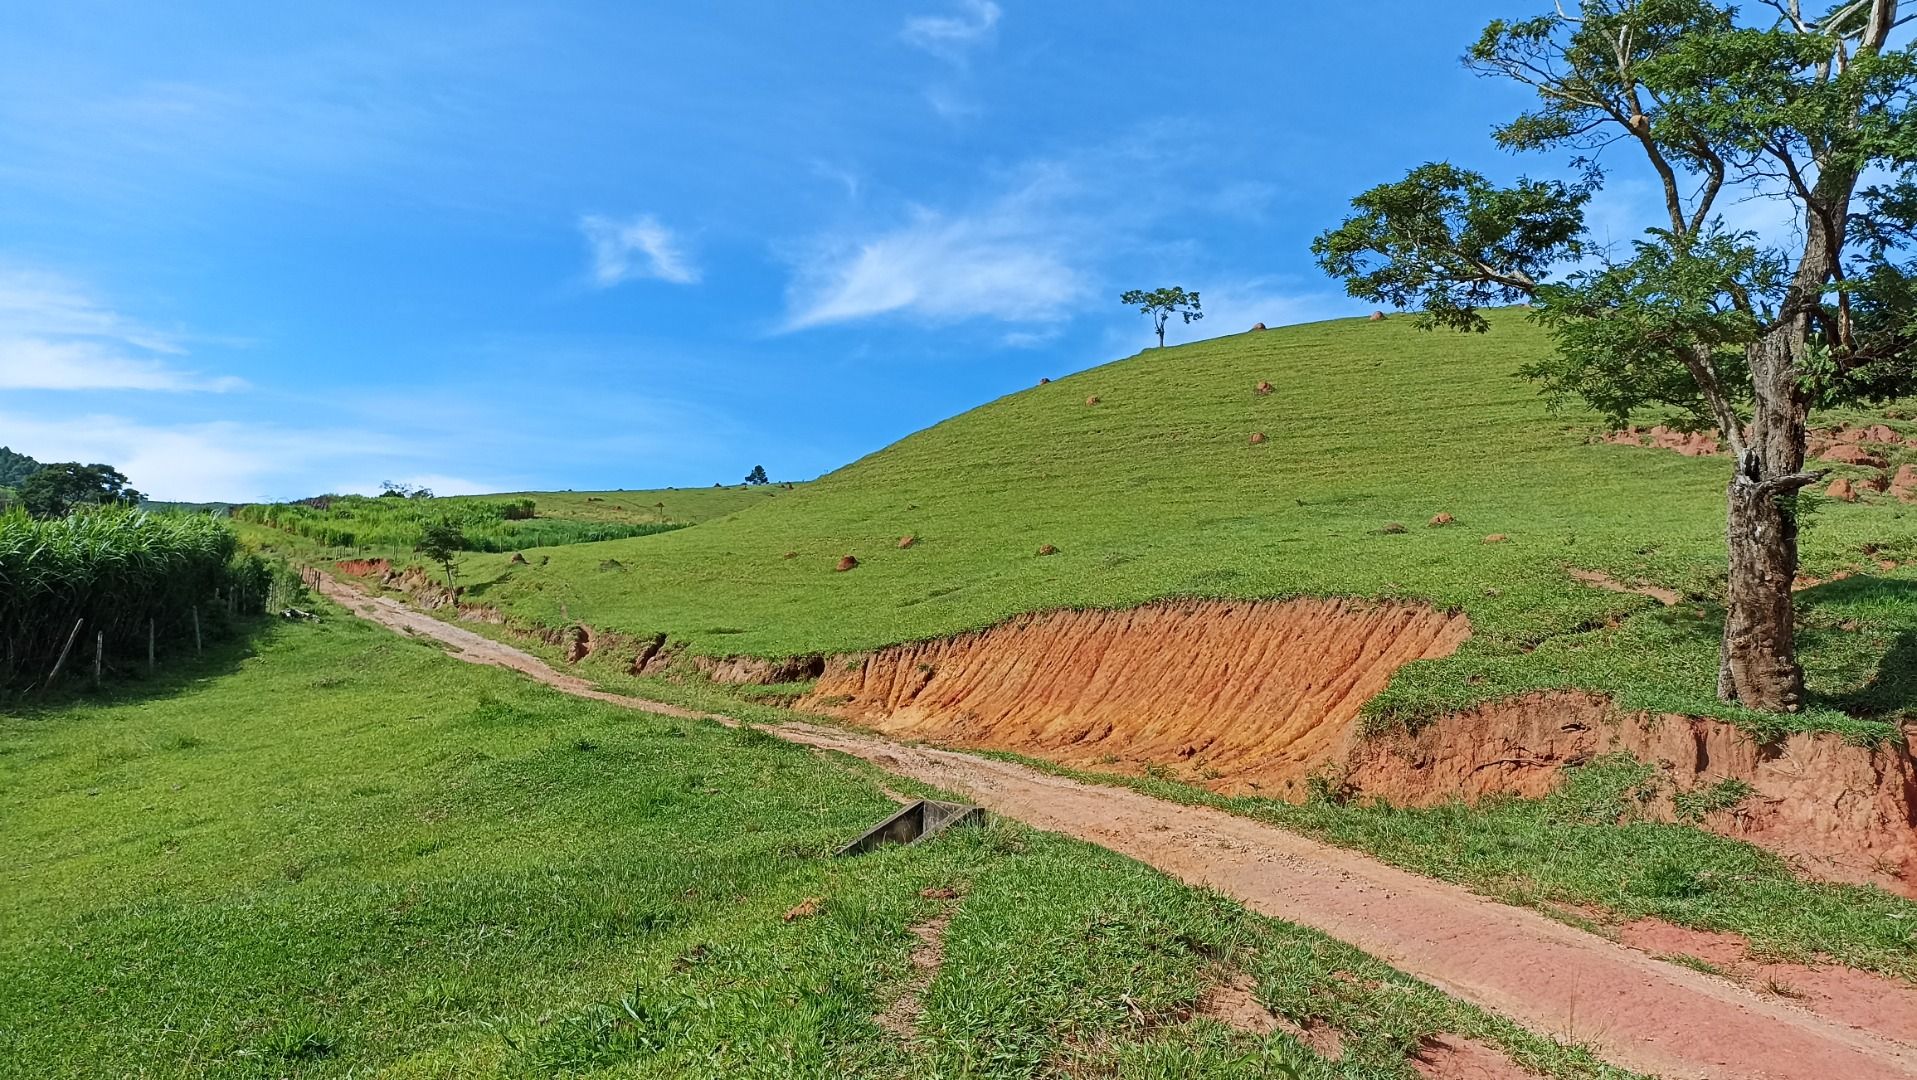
[
  {"x": 1253, "y": 696},
  {"x": 1839, "y": 809},
  {"x": 1249, "y": 695}
]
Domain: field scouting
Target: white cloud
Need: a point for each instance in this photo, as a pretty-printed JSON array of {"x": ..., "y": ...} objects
[
  {"x": 950, "y": 37},
  {"x": 1234, "y": 306},
  {"x": 38, "y": 364},
  {"x": 1031, "y": 339},
  {"x": 639, "y": 247},
  {"x": 1013, "y": 261},
  {"x": 228, "y": 460},
  {"x": 54, "y": 335},
  {"x": 952, "y": 104},
  {"x": 846, "y": 178}
]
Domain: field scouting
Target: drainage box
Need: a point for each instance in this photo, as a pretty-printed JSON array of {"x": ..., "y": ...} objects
[{"x": 921, "y": 820}]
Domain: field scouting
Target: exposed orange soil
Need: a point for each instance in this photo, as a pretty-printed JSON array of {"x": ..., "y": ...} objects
[
  {"x": 1454, "y": 1057},
  {"x": 1841, "y": 811},
  {"x": 1253, "y": 694},
  {"x": 901, "y": 1017},
  {"x": 1252, "y": 697},
  {"x": 1637, "y": 1011},
  {"x": 1233, "y": 1002}
]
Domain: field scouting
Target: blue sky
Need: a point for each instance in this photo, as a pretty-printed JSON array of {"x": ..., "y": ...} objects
[{"x": 250, "y": 254}]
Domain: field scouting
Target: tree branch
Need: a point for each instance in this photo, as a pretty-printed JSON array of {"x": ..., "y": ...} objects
[
  {"x": 1697, "y": 361},
  {"x": 1784, "y": 485}
]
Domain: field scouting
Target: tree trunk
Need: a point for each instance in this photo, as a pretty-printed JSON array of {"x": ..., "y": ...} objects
[{"x": 1757, "y": 664}]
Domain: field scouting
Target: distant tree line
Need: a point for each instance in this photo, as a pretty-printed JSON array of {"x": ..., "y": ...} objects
[{"x": 56, "y": 490}]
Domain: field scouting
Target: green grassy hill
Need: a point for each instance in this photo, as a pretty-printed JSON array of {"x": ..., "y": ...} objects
[
  {"x": 638, "y": 506},
  {"x": 1157, "y": 490}
]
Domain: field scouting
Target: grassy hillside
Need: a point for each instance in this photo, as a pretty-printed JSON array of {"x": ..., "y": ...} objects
[
  {"x": 688, "y": 506},
  {"x": 355, "y": 526},
  {"x": 344, "y": 854},
  {"x": 1157, "y": 490}
]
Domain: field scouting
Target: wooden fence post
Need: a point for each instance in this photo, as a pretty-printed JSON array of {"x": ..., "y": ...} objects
[
  {"x": 99, "y": 656},
  {"x": 197, "y": 648},
  {"x": 64, "y": 650},
  {"x": 149, "y": 646}
]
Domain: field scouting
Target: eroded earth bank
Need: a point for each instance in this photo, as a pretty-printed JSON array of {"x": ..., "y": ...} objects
[
  {"x": 1261, "y": 697},
  {"x": 1266, "y": 697}
]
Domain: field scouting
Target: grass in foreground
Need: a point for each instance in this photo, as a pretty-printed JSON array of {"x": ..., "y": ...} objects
[
  {"x": 354, "y": 855},
  {"x": 1157, "y": 491}
]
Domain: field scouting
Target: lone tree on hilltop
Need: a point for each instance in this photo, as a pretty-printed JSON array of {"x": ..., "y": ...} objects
[
  {"x": 1162, "y": 304},
  {"x": 1746, "y": 330},
  {"x": 441, "y": 541},
  {"x": 758, "y": 476},
  {"x": 56, "y": 490}
]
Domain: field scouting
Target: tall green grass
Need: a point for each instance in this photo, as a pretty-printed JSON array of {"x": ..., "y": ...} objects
[
  {"x": 490, "y": 525},
  {"x": 120, "y": 572}
]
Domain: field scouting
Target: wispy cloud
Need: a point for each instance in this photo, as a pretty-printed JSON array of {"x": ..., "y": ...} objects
[
  {"x": 638, "y": 247},
  {"x": 1013, "y": 260},
  {"x": 218, "y": 460},
  {"x": 952, "y": 104},
  {"x": 952, "y": 37},
  {"x": 55, "y": 335},
  {"x": 1232, "y": 306}
]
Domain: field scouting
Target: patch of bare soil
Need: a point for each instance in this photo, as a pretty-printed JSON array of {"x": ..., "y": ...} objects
[
  {"x": 1233, "y": 1002},
  {"x": 1687, "y": 443},
  {"x": 1454, "y": 1057},
  {"x": 1873, "y": 1003},
  {"x": 901, "y": 1017},
  {"x": 1638, "y": 1012},
  {"x": 1601, "y": 580},
  {"x": 1242, "y": 695},
  {"x": 1838, "y": 810}
]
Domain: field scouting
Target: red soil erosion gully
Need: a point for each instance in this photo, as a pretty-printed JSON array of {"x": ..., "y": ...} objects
[{"x": 1123, "y": 689}]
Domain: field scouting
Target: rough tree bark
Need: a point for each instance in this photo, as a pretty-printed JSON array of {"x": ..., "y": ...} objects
[{"x": 1757, "y": 660}]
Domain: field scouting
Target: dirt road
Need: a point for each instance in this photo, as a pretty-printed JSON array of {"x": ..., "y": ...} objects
[{"x": 1634, "y": 1010}]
